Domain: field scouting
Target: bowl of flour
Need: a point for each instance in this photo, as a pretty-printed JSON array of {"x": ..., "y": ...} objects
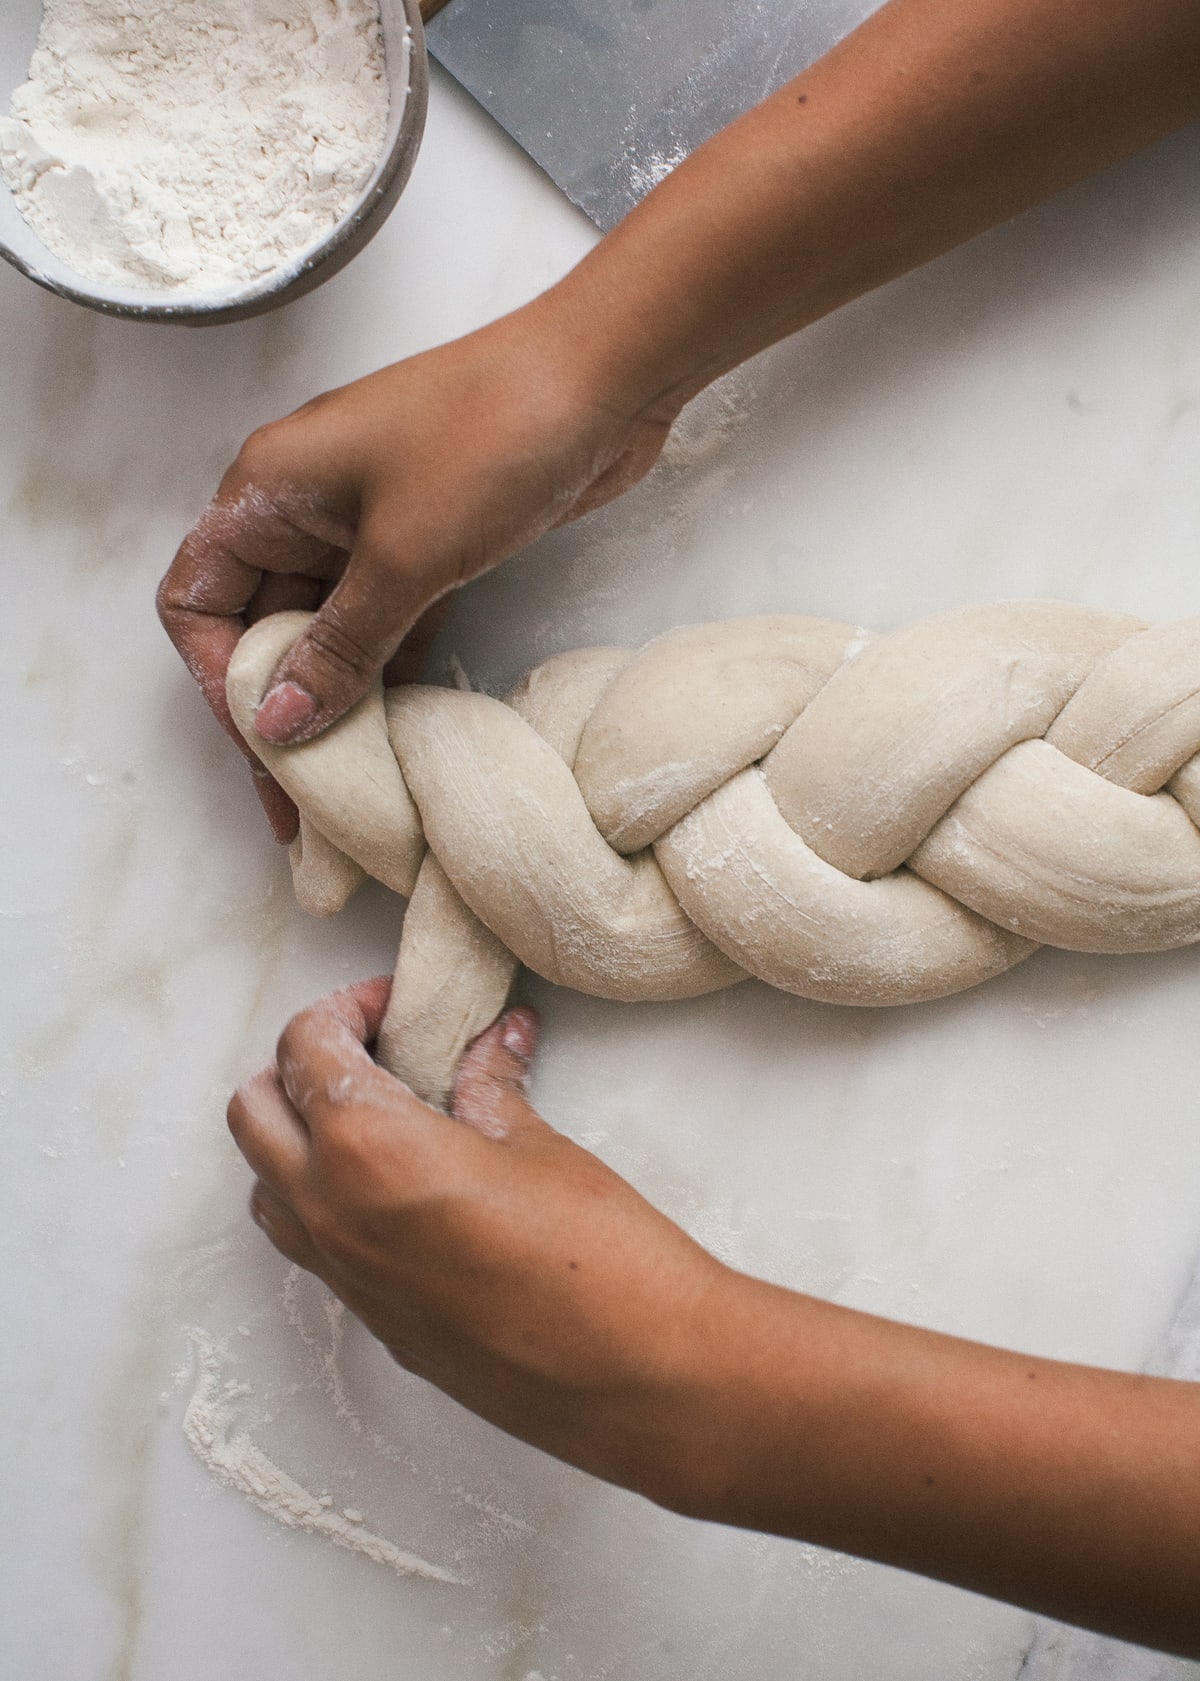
[{"x": 202, "y": 160}]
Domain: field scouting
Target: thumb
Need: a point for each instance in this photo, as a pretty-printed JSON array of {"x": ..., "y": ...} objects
[
  {"x": 344, "y": 647},
  {"x": 490, "y": 1091}
]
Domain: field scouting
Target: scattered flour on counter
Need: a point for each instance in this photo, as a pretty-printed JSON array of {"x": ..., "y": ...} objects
[
  {"x": 211, "y": 1428},
  {"x": 194, "y": 144},
  {"x": 327, "y": 1359}
]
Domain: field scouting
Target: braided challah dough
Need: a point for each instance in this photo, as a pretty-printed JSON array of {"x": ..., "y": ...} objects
[{"x": 857, "y": 819}]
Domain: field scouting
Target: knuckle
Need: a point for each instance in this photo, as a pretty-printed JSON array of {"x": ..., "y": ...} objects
[
  {"x": 337, "y": 644},
  {"x": 330, "y": 1229},
  {"x": 321, "y": 404},
  {"x": 175, "y": 599},
  {"x": 238, "y": 1115},
  {"x": 260, "y": 1209},
  {"x": 349, "y": 1152},
  {"x": 260, "y": 454},
  {"x": 164, "y": 600},
  {"x": 293, "y": 1042}
]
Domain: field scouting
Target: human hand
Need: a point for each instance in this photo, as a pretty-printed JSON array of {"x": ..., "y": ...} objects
[
  {"x": 924, "y": 127},
  {"x": 511, "y": 1268},
  {"x": 490, "y": 1254},
  {"x": 374, "y": 501}
]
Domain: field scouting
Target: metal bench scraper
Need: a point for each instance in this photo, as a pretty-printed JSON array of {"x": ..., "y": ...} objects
[{"x": 609, "y": 95}]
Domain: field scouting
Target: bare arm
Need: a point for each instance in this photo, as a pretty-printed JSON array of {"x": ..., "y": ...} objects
[
  {"x": 1066, "y": 1489},
  {"x": 503, "y": 1263},
  {"x": 931, "y": 123}
]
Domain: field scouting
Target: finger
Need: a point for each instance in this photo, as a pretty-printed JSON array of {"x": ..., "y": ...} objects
[
  {"x": 269, "y": 1132},
  {"x": 281, "y": 810},
  {"x": 205, "y": 642},
  {"x": 283, "y": 592},
  {"x": 278, "y": 1221},
  {"x": 278, "y": 593},
  {"x": 260, "y": 521},
  {"x": 344, "y": 647},
  {"x": 200, "y": 602},
  {"x": 372, "y": 998},
  {"x": 219, "y": 568},
  {"x": 407, "y": 664},
  {"x": 323, "y": 1059},
  {"x": 490, "y": 1090}
]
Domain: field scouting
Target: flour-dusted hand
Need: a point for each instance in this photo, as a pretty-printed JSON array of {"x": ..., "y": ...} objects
[
  {"x": 374, "y": 501},
  {"x": 930, "y": 123},
  {"x": 489, "y": 1253},
  {"x": 518, "y": 1273}
]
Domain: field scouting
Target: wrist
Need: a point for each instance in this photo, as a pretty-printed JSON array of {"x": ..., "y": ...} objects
[
  {"x": 627, "y": 341},
  {"x": 726, "y": 1422},
  {"x": 634, "y": 353},
  {"x": 553, "y": 357}
]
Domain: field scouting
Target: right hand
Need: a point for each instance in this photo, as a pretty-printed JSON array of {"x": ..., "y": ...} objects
[
  {"x": 490, "y": 1254},
  {"x": 373, "y": 501}
]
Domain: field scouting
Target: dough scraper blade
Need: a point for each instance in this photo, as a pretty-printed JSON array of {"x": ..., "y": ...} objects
[{"x": 607, "y": 96}]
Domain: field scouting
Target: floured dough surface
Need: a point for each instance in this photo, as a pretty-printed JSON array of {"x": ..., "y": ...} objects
[{"x": 863, "y": 820}]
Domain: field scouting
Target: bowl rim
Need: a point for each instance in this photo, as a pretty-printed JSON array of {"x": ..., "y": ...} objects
[{"x": 338, "y": 248}]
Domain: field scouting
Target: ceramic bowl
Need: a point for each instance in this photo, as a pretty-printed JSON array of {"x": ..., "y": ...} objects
[{"x": 408, "y": 78}]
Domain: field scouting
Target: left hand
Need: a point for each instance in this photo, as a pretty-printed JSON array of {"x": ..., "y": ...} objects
[{"x": 489, "y": 1253}]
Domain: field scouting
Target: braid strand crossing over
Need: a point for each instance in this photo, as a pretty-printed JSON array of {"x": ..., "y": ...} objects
[{"x": 856, "y": 819}]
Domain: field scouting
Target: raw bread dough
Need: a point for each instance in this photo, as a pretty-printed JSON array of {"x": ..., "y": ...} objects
[{"x": 855, "y": 819}]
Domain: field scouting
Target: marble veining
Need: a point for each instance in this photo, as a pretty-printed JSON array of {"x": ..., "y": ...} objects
[{"x": 1019, "y": 1164}]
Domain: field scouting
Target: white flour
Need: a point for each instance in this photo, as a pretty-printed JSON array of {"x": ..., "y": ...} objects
[
  {"x": 194, "y": 145},
  {"x": 231, "y": 1454}
]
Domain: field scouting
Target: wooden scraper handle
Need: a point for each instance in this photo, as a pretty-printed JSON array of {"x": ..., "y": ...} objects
[{"x": 430, "y": 8}]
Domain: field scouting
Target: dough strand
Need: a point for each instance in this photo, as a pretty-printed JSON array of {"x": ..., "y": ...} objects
[{"x": 862, "y": 820}]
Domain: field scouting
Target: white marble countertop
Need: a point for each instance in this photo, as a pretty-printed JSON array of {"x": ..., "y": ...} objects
[{"x": 1019, "y": 1164}]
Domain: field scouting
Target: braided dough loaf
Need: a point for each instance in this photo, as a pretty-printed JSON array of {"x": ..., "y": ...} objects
[{"x": 857, "y": 819}]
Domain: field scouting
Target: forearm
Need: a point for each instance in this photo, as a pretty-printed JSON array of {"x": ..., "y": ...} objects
[
  {"x": 931, "y": 123},
  {"x": 1065, "y": 1489}
]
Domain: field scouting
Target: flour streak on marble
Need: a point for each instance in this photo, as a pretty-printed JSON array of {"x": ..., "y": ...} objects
[{"x": 1022, "y": 418}]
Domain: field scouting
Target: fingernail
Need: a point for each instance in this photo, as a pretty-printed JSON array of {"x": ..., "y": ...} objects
[{"x": 285, "y": 711}]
